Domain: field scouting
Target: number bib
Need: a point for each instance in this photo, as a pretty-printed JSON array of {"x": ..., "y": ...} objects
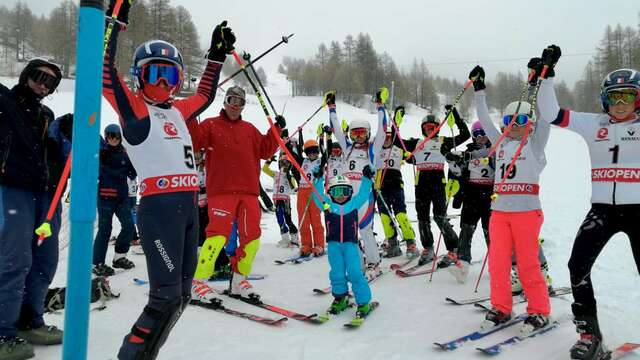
[
  {"x": 525, "y": 174},
  {"x": 390, "y": 158},
  {"x": 164, "y": 161},
  {"x": 281, "y": 186},
  {"x": 429, "y": 157},
  {"x": 356, "y": 161},
  {"x": 480, "y": 170},
  {"x": 335, "y": 167},
  {"x": 307, "y": 167}
]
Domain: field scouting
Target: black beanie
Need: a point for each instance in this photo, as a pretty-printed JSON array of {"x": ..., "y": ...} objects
[{"x": 36, "y": 63}]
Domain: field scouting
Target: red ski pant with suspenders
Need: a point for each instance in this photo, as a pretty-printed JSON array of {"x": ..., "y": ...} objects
[
  {"x": 517, "y": 232},
  {"x": 311, "y": 229}
]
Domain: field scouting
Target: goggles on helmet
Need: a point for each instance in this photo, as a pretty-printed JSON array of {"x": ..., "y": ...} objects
[
  {"x": 153, "y": 73},
  {"x": 44, "y": 78},
  {"x": 234, "y": 101},
  {"x": 521, "y": 120},
  {"x": 336, "y": 151},
  {"x": 312, "y": 150},
  {"x": 622, "y": 96},
  {"x": 340, "y": 190},
  {"x": 358, "y": 132},
  {"x": 478, "y": 133},
  {"x": 429, "y": 127}
]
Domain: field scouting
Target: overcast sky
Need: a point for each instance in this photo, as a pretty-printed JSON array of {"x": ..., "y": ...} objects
[{"x": 439, "y": 31}]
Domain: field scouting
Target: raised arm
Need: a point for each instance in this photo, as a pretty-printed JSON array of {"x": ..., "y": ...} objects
[
  {"x": 378, "y": 141},
  {"x": 463, "y": 132},
  {"x": 363, "y": 195},
  {"x": 485, "y": 119},
  {"x": 330, "y": 100}
]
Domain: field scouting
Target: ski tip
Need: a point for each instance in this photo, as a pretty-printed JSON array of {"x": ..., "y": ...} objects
[
  {"x": 451, "y": 301},
  {"x": 489, "y": 351}
]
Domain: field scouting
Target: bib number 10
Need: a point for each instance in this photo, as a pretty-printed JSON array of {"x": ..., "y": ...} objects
[{"x": 504, "y": 168}]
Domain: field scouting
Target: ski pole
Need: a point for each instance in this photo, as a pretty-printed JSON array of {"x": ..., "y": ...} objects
[
  {"x": 484, "y": 264},
  {"x": 305, "y": 122},
  {"x": 44, "y": 230},
  {"x": 433, "y": 132},
  {"x": 247, "y": 57},
  {"x": 394, "y": 221},
  {"x": 272, "y": 127},
  {"x": 285, "y": 40}
]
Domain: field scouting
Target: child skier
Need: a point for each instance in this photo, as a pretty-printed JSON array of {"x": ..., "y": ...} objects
[
  {"x": 516, "y": 212},
  {"x": 615, "y": 184},
  {"x": 341, "y": 219},
  {"x": 155, "y": 134},
  {"x": 283, "y": 186}
]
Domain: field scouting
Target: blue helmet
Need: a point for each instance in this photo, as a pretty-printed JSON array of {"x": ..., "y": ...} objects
[
  {"x": 112, "y": 129},
  {"x": 154, "y": 50},
  {"x": 619, "y": 79}
]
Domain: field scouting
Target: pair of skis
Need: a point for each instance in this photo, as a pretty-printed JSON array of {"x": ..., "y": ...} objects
[
  {"x": 519, "y": 298},
  {"x": 298, "y": 259},
  {"x": 327, "y": 290},
  {"x": 354, "y": 323}
]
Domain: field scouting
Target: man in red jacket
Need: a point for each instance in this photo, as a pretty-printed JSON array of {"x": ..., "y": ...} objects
[{"x": 233, "y": 148}]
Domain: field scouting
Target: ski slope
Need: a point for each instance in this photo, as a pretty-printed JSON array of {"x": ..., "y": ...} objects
[{"x": 412, "y": 314}]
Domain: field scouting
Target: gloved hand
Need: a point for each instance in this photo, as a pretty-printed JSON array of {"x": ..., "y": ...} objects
[
  {"x": 317, "y": 172},
  {"x": 399, "y": 114},
  {"x": 536, "y": 65},
  {"x": 382, "y": 95},
  {"x": 222, "y": 41},
  {"x": 328, "y": 130},
  {"x": 550, "y": 57},
  {"x": 477, "y": 76},
  {"x": 457, "y": 156},
  {"x": 454, "y": 112},
  {"x": 330, "y": 98},
  {"x": 284, "y": 134},
  {"x": 123, "y": 13},
  {"x": 345, "y": 126},
  {"x": 368, "y": 172},
  {"x": 281, "y": 122},
  {"x": 452, "y": 188},
  {"x": 320, "y": 130}
]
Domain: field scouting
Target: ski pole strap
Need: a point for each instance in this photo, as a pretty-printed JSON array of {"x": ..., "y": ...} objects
[
  {"x": 112, "y": 22},
  {"x": 56, "y": 198}
]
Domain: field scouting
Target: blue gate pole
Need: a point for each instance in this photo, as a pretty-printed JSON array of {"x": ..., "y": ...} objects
[{"x": 84, "y": 176}]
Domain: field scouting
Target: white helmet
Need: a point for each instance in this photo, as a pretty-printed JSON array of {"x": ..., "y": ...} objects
[
  {"x": 522, "y": 107},
  {"x": 339, "y": 180},
  {"x": 340, "y": 186},
  {"x": 360, "y": 124}
]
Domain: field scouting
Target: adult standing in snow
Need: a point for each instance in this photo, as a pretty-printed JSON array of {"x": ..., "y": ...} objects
[
  {"x": 154, "y": 128},
  {"x": 516, "y": 216},
  {"x": 30, "y": 159},
  {"x": 113, "y": 199},
  {"x": 234, "y": 148},
  {"x": 359, "y": 152},
  {"x": 614, "y": 149},
  {"x": 430, "y": 187}
]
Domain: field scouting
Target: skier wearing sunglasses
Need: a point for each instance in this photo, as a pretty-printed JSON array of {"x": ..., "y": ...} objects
[
  {"x": 614, "y": 149},
  {"x": 156, "y": 135}
]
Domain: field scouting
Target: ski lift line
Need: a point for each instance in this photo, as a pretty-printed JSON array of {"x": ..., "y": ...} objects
[{"x": 499, "y": 60}]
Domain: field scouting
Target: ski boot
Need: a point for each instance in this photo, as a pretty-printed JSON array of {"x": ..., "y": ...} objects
[
  {"x": 294, "y": 242},
  {"x": 201, "y": 292},
  {"x": 15, "y": 348},
  {"x": 460, "y": 271},
  {"x": 545, "y": 272},
  {"x": 363, "y": 310},
  {"x": 392, "y": 249},
  {"x": 305, "y": 250},
  {"x": 340, "y": 303},
  {"x": 412, "y": 249},
  {"x": 426, "y": 256},
  {"x": 284, "y": 240},
  {"x": 120, "y": 261},
  {"x": 44, "y": 335},
  {"x": 516, "y": 285},
  {"x": 103, "y": 270},
  {"x": 451, "y": 258},
  {"x": 534, "y": 322},
  {"x": 590, "y": 344},
  {"x": 317, "y": 251},
  {"x": 373, "y": 271},
  {"x": 241, "y": 288},
  {"x": 494, "y": 318}
]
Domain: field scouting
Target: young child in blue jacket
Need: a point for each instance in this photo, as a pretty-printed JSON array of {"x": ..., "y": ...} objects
[{"x": 341, "y": 224}]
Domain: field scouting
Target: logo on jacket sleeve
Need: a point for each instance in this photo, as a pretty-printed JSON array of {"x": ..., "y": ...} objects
[{"x": 170, "y": 129}]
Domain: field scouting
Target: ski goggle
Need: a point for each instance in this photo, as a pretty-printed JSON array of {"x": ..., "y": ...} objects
[
  {"x": 478, "y": 133},
  {"x": 340, "y": 190},
  {"x": 44, "y": 78},
  {"x": 626, "y": 96},
  {"x": 429, "y": 127},
  {"x": 234, "y": 101},
  {"x": 152, "y": 74},
  {"x": 312, "y": 150},
  {"x": 521, "y": 120},
  {"x": 358, "y": 132},
  {"x": 336, "y": 151},
  {"x": 387, "y": 137}
]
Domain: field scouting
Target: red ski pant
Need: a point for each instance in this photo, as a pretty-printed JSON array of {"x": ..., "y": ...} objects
[
  {"x": 310, "y": 222},
  {"x": 223, "y": 209},
  {"x": 517, "y": 232}
]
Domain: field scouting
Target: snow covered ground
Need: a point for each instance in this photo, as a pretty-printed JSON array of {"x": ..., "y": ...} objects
[{"x": 412, "y": 314}]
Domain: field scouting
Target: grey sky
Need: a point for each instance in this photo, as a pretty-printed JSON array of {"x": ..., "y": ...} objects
[{"x": 438, "y": 31}]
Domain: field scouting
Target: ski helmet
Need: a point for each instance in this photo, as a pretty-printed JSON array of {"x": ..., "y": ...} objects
[
  {"x": 619, "y": 79},
  {"x": 522, "y": 107},
  {"x": 336, "y": 149},
  {"x": 428, "y": 119},
  {"x": 310, "y": 144},
  {"x": 112, "y": 130},
  {"x": 31, "y": 69},
  {"x": 477, "y": 130},
  {"x": 235, "y": 91},
  {"x": 340, "y": 186},
  {"x": 158, "y": 51},
  {"x": 360, "y": 124}
]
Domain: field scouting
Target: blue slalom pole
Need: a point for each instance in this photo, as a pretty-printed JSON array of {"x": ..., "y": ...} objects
[{"x": 84, "y": 175}]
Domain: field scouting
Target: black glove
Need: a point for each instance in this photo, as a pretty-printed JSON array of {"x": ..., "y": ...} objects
[
  {"x": 457, "y": 156},
  {"x": 454, "y": 112},
  {"x": 280, "y": 122},
  {"x": 66, "y": 125},
  {"x": 477, "y": 76},
  {"x": 535, "y": 64},
  {"x": 457, "y": 200},
  {"x": 123, "y": 14},
  {"x": 550, "y": 57},
  {"x": 368, "y": 172},
  {"x": 284, "y": 133},
  {"x": 330, "y": 98},
  {"x": 222, "y": 41},
  {"x": 328, "y": 130}
]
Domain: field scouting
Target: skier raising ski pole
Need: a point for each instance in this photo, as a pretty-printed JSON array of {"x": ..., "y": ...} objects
[
  {"x": 516, "y": 210},
  {"x": 154, "y": 126},
  {"x": 615, "y": 184}
]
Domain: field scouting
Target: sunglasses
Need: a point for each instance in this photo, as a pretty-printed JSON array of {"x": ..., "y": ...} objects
[
  {"x": 234, "y": 101},
  {"x": 358, "y": 132},
  {"x": 154, "y": 73},
  {"x": 44, "y": 78},
  {"x": 478, "y": 133},
  {"x": 336, "y": 152},
  {"x": 622, "y": 97},
  {"x": 340, "y": 190},
  {"x": 521, "y": 120}
]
